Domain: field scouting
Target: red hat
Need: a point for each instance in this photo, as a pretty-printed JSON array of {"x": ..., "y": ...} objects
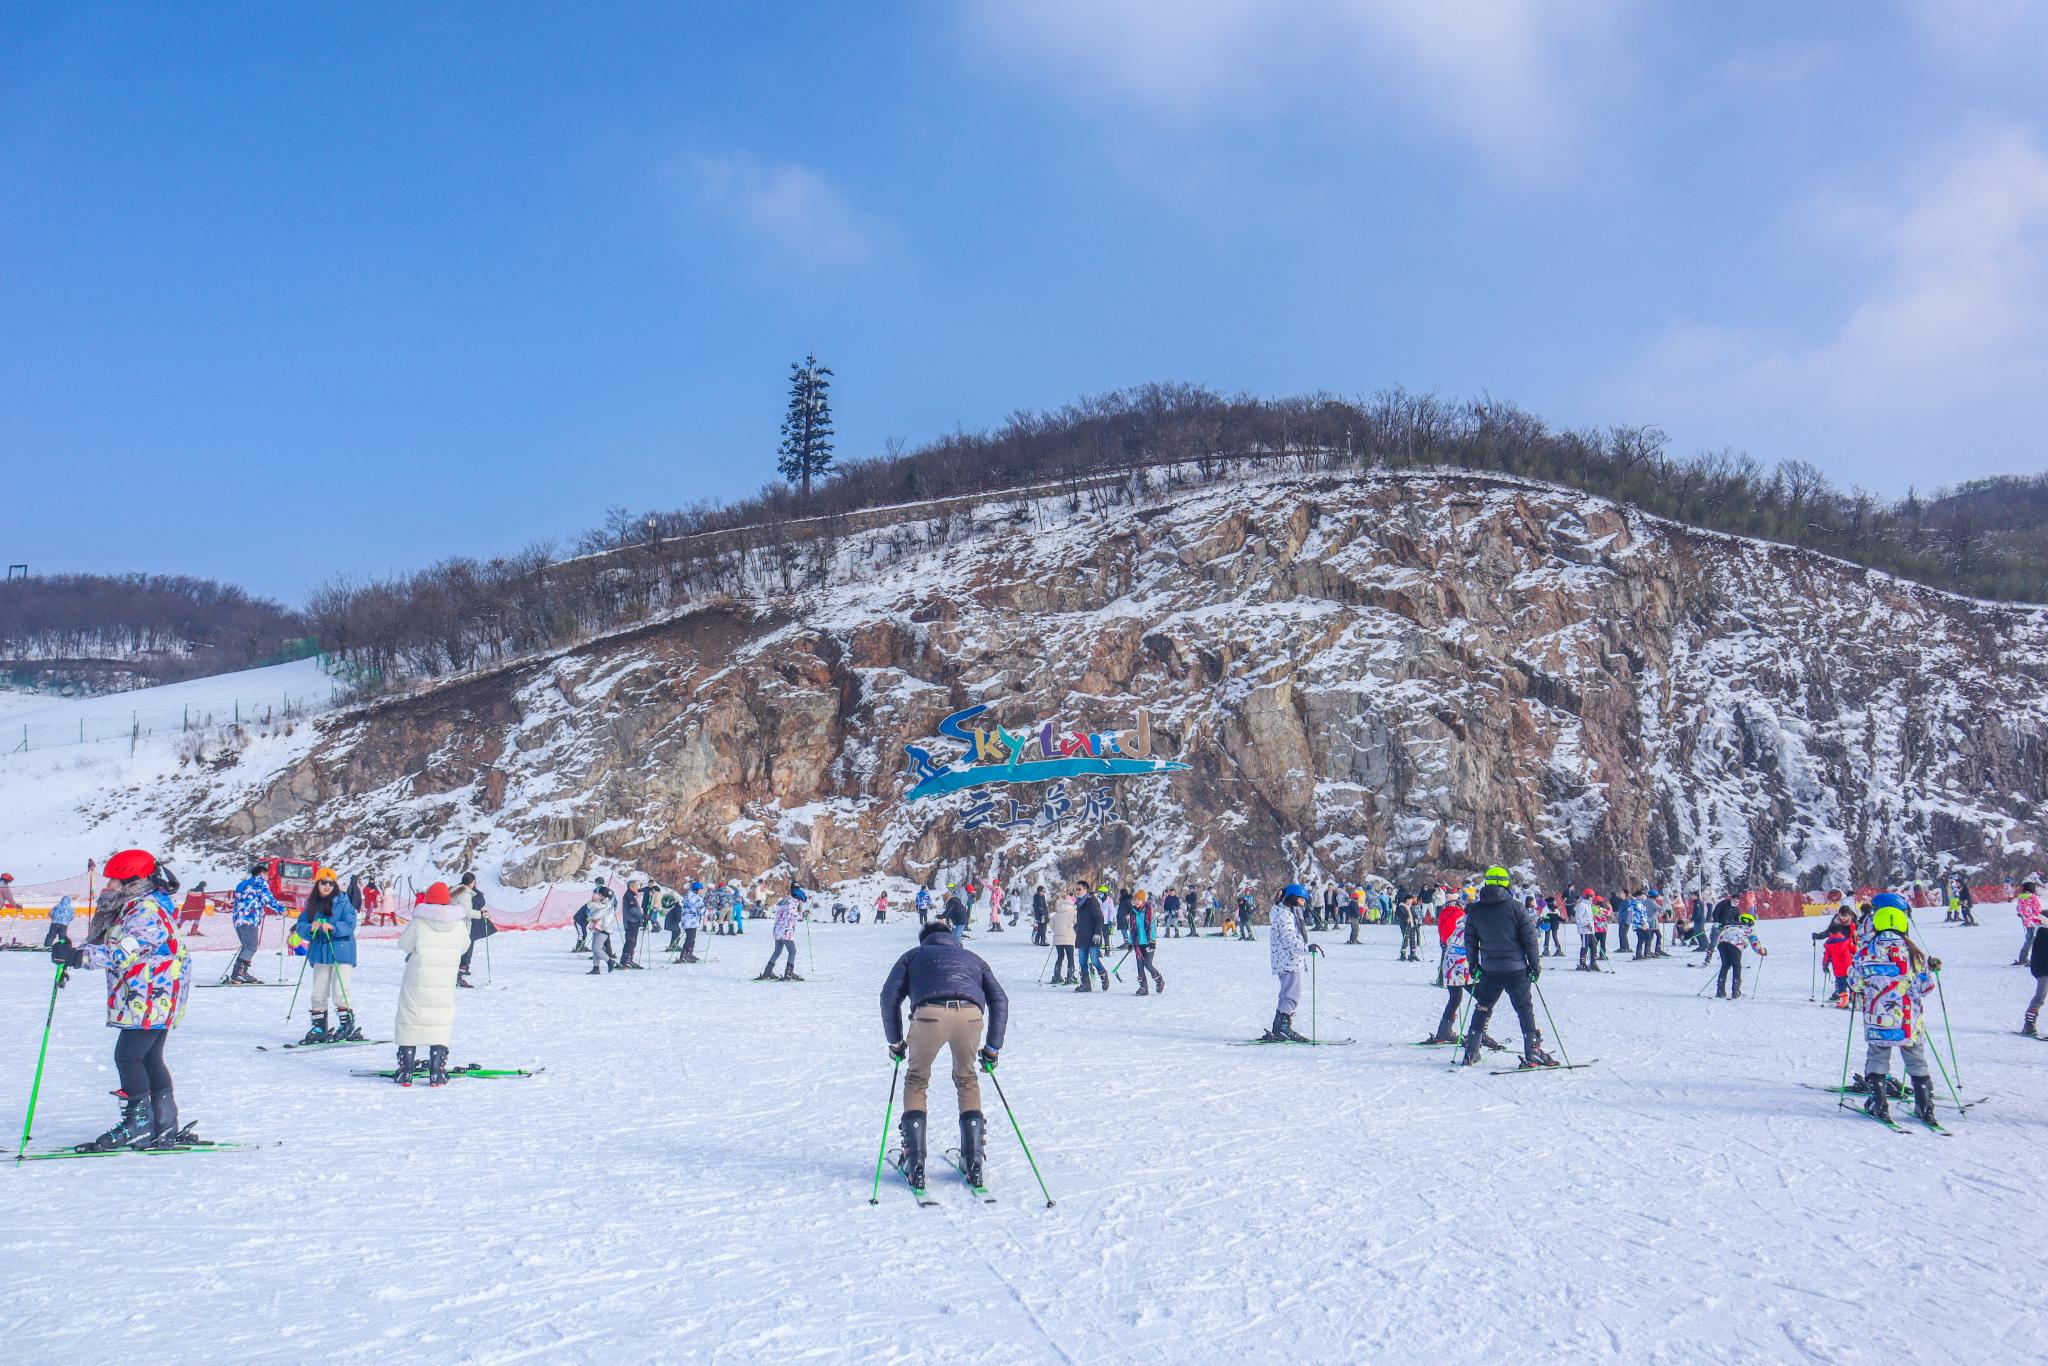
[
  {"x": 436, "y": 895},
  {"x": 1589, "y": 891},
  {"x": 130, "y": 863}
]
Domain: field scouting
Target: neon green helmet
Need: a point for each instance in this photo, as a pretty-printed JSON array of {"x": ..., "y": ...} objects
[
  {"x": 1496, "y": 876},
  {"x": 1748, "y": 919},
  {"x": 1890, "y": 918}
]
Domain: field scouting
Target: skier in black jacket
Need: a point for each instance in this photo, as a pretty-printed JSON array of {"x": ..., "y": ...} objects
[
  {"x": 950, "y": 992},
  {"x": 1039, "y": 911},
  {"x": 1500, "y": 945},
  {"x": 1088, "y": 936}
]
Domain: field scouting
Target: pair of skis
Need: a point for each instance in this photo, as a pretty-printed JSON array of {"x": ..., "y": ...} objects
[
  {"x": 923, "y": 1195},
  {"x": 199, "y": 1145},
  {"x": 473, "y": 1070},
  {"x": 324, "y": 1043}
]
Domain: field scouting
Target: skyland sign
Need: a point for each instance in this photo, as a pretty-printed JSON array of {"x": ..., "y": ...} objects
[{"x": 1034, "y": 757}]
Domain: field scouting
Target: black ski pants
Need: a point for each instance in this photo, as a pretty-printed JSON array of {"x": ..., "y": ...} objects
[
  {"x": 1062, "y": 962},
  {"x": 689, "y": 942},
  {"x": 1731, "y": 961},
  {"x": 1143, "y": 953},
  {"x": 1492, "y": 983},
  {"x": 1450, "y": 1017},
  {"x": 139, "y": 1061},
  {"x": 632, "y": 942}
]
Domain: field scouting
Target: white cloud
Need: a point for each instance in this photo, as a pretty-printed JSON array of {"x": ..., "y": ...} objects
[
  {"x": 791, "y": 209},
  {"x": 1515, "y": 79},
  {"x": 1934, "y": 371}
]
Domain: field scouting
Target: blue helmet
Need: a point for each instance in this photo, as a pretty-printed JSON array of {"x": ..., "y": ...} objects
[
  {"x": 1294, "y": 889},
  {"x": 799, "y": 894},
  {"x": 696, "y": 886}
]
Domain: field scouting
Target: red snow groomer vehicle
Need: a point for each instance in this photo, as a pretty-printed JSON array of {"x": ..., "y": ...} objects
[{"x": 291, "y": 879}]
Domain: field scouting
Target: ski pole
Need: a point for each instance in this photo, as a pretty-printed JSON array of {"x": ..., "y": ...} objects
[
  {"x": 1312, "y": 996},
  {"x": 1813, "y": 978},
  {"x": 1942, "y": 996},
  {"x": 36, "y": 1087},
  {"x": 295, "y": 988},
  {"x": 1043, "y": 967},
  {"x": 1553, "y": 1023},
  {"x": 1960, "y": 1108},
  {"x": 1842, "y": 1095},
  {"x": 888, "y": 1113},
  {"x": 1756, "y": 980},
  {"x": 810, "y": 949},
  {"x": 487, "y": 952},
  {"x": 1019, "y": 1132},
  {"x": 1119, "y": 963}
]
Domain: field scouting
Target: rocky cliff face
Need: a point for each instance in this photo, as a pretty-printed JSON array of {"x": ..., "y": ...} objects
[{"x": 1400, "y": 674}]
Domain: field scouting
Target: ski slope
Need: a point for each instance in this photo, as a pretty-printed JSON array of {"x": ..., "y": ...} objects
[{"x": 689, "y": 1178}]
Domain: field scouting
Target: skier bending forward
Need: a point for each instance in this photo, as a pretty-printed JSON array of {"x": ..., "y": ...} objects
[
  {"x": 1500, "y": 943},
  {"x": 950, "y": 991}
]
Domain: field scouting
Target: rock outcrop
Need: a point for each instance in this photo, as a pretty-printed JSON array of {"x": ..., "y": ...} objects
[{"x": 1400, "y": 674}]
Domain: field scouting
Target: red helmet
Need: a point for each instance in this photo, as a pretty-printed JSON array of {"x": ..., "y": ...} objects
[
  {"x": 1589, "y": 891},
  {"x": 130, "y": 863}
]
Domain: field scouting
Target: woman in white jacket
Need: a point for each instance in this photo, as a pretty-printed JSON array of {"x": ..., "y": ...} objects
[{"x": 433, "y": 944}]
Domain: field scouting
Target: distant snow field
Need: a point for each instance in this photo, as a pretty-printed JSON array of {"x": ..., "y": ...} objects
[{"x": 689, "y": 1177}]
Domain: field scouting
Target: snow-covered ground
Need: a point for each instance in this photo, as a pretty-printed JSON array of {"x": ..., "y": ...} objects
[{"x": 689, "y": 1178}]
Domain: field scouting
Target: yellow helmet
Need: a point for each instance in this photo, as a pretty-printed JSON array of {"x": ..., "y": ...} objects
[{"x": 1497, "y": 876}]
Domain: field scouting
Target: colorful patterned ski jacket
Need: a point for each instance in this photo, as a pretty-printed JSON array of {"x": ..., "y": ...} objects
[
  {"x": 149, "y": 974},
  {"x": 1892, "y": 990}
]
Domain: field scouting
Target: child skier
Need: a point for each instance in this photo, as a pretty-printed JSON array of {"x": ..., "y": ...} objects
[
  {"x": 1454, "y": 972},
  {"x": 1839, "y": 954},
  {"x": 1583, "y": 916},
  {"x": 149, "y": 976},
  {"x": 1737, "y": 937},
  {"x": 1145, "y": 943},
  {"x": 604, "y": 922},
  {"x": 2029, "y": 909},
  {"x": 1288, "y": 952},
  {"x": 786, "y": 914},
  {"x": 690, "y": 915},
  {"x": 1895, "y": 976}
]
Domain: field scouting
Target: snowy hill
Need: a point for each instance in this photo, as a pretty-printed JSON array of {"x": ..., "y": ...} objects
[{"x": 1407, "y": 674}]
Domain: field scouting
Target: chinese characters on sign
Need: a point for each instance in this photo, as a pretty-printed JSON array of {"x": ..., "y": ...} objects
[{"x": 988, "y": 811}]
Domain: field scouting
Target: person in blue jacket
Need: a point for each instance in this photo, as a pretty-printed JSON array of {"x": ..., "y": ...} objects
[
  {"x": 327, "y": 927},
  {"x": 951, "y": 993},
  {"x": 253, "y": 901}
]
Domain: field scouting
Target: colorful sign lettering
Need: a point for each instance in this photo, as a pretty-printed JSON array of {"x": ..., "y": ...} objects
[{"x": 994, "y": 756}]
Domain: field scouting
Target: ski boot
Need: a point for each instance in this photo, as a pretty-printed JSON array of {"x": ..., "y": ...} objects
[
  {"x": 403, "y": 1073},
  {"x": 1287, "y": 1031},
  {"x": 1488, "y": 1041},
  {"x": 462, "y": 979},
  {"x": 132, "y": 1131},
  {"x": 1876, "y": 1105},
  {"x": 1923, "y": 1100},
  {"x": 318, "y": 1032},
  {"x": 972, "y": 1129},
  {"x": 349, "y": 1032},
  {"x": 164, "y": 1130},
  {"x": 244, "y": 976},
  {"x": 1104, "y": 974},
  {"x": 1144, "y": 985},
  {"x": 1469, "y": 1056},
  {"x": 2029, "y": 1028},
  {"x": 675, "y": 942},
  {"x": 582, "y": 945},
  {"x": 437, "y": 1065},
  {"x": 1087, "y": 984},
  {"x": 1442, "y": 1036},
  {"x": 1533, "y": 1055},
  {"x": 789, "y": 974},
  {"x": 911, "y": 1160},
  {"x": 766, "y": 975},
  {"x": 1277, "y": 1033}
]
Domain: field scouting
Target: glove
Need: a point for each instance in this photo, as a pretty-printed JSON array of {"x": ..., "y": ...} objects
[
  {"x": 1935, "y": 963},
  {"x": 1315, "y": 948},
  {"x": 898, "y": 1050},
  {"x": 66, "y": 955},
  {"x": 988, "y": 1059},
  {"x": 1535, "y": 971}
]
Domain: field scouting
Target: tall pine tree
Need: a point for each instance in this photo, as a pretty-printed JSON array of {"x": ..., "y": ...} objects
[{"x": 807, "y": 426}]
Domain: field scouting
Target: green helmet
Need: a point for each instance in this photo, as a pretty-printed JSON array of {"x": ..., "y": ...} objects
[
  {"x": 1496, "y": 876},
  {"x": 1890, "y": 918}
]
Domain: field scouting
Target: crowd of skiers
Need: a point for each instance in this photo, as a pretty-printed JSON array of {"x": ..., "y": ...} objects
[{"x": 1491, "y": 942}]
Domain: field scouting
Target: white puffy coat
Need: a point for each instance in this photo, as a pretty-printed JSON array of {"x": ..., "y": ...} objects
[
  {"x": 433, "y": 944},
  {"x": 1287, "y": 946}
]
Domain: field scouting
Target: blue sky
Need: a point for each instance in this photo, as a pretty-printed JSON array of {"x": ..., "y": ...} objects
[{"x": 295, "y": 291}]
